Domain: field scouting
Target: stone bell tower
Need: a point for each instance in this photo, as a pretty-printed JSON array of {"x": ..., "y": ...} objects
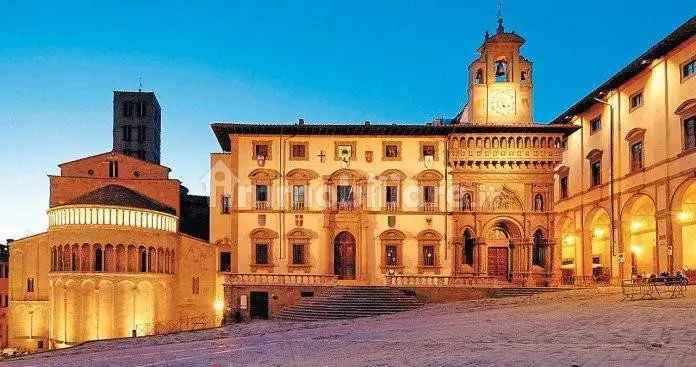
[{"x": 500, "y": 82}]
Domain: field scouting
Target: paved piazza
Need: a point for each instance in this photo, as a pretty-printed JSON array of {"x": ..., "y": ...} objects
[{"x": 574, "y": 328}]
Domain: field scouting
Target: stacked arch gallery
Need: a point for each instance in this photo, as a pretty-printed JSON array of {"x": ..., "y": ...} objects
[{"x": 112, "y": 262}]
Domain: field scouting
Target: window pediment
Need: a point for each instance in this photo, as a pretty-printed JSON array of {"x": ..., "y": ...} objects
[
  {"x": 299, "y": 175},
  {"x": 429, "y": 176},
  {"x": 301, "y": 234},
  {"x": 429, "y": 235},
  {"x": 392, "y": 175},
  {"x": 346, "y": 174},
  {"x": 263, "y": 176},
  {"x": 594, "y": 154},
  {"x": 392, "y": 235},
  {"x": 562, "y": 170},
  {"x": 263, "y": 234},
  {"x": 635, "y": 135},
  {"x": 686, "y": 108}
]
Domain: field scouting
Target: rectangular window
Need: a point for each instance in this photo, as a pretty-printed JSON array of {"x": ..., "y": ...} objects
[
  {"x": 595, "y": 124},
  {"x": 429, "y": 255},
  {"x": 344, "y": 194},
  {"x": 262, "y": 254},
  {"x": 225, "y": 204},
  {"x": 30, "y": 285},
  {"x": 429, "y": 194},
  {"x": 261, "y": 150},
  {"x": 391, "y": 255},
  {"x": 469, "y": 251},
  {"x": 563, "y": 182},
  {"x": 261, "y": 193},
  {"x": 142, "y": 109},
  {"x": 637, "y": 156},
  {"x": 127, "y": 133},
  {"x": 690, "y": 133},
  {"x": 225, "y": 261},
  {"x": 298, "y": 197},
  {"x": 596, "y": 173},
  {"x": 298, "y": 254},
  {"x": 392, "y": 194},
  {"x": 636, "y": 100},
  {"x": 298, "y": 151},
  {"x": 428, "y": 151},
  {"x": 391, "y": 151},
  {"x": 128, "y": 109},
  {"x": 689, "y": 69},
  {"x": 113, "y": 169}
]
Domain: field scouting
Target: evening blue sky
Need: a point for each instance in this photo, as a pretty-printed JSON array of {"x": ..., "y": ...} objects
[{"x": 274, "y": 61}]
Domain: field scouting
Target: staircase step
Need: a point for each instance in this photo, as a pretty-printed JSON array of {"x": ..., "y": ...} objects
[{"x": 345, "y": 302}]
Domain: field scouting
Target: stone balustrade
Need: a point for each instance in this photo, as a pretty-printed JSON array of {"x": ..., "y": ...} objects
[
  {"x": 441, "y": 281},
  {"x": 280, "y": 279}
]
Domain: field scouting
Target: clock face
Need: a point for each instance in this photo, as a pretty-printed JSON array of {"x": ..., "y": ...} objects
[{"x": 502, "y": 102}]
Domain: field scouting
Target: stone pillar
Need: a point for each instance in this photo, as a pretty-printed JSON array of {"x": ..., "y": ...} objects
[
  {"x": 481, "y": 257},
  {"x": 554, "y": 264},
  {"x": 662, "y": 246}
]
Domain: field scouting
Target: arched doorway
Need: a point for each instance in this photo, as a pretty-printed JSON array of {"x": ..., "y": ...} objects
[
  {"x": 570, "y": 267},
  {"x": 683, "y": 257},
  {"x": 599, "y": 227},
  {"x": 499, "y": 254},
  {"x": 639, "y": 228},
  {"x": 344, "y": 256}
]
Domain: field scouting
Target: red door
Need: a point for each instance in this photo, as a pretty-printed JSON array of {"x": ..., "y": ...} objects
[{"x": 498, "y": 262}]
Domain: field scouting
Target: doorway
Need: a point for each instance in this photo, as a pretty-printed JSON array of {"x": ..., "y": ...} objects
[
  {"x": 258, "y": 302},
  {"x": 344, "y": 256},
  {"x": 498, "y": 262}
]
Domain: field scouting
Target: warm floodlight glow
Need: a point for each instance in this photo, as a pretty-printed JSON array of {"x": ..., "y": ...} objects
[
  {"x": 219, "y": 305},
  {"x": 636, "y": 249},
  {"x": 569, "y": 240},
  {"x": 636, "y": 225},
  {"x": 684, "y": 216},
  {"x": 598, "y": 233}
]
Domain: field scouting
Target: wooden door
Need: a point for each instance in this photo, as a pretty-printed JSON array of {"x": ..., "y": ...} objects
[
  {"x": 498, "y": 262},
  {"x": 344, "y": 256}
]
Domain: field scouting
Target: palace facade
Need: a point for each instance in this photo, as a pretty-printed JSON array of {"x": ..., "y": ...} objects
[{"x": 489, "y": 198}]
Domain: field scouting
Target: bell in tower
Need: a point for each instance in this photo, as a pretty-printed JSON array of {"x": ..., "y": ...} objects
[{"x": 500, "y": 87}]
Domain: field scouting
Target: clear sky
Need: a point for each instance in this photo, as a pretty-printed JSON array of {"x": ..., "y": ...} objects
[{"x": 253, "y": 61}]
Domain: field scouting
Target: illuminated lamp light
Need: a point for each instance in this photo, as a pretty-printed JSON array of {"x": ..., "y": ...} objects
[
  {"x": 636, "y": 249},
  {"x": 598, "y": 233},
  {"x": 569, "y": 240},
  {"x": 219, "y": 305},
  {"x": 684, "y": 216},
  {"x": 636, "y": 225}
]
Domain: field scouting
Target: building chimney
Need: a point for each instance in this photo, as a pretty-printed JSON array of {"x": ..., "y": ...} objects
[{"x": 300, "y": 122}]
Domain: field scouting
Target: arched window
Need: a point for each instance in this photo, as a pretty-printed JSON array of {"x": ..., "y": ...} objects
[
  {"x": 538, "y": 248},
  {"x": 501, "y": 71},
  {"x": 468, "y": 249},
  {"x": 538, "y": 203},
  {"x": 143, "y": 260},
  {"x": 478, "y": 79},
  {"x": 98, "y": 259}
]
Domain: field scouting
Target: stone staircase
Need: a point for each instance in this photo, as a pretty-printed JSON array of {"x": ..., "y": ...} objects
[
  {"x": 517, "y": 292},
  {"x": 346, "y": 302}
]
